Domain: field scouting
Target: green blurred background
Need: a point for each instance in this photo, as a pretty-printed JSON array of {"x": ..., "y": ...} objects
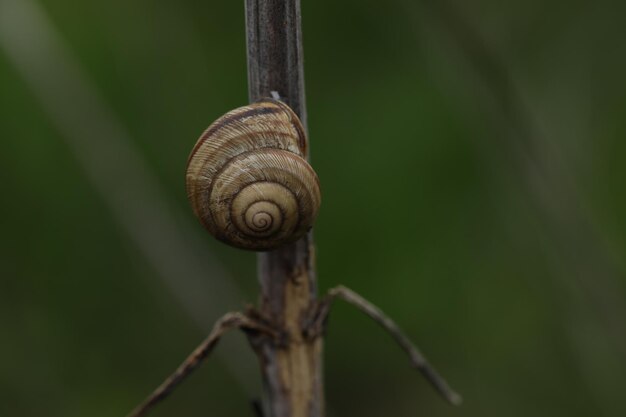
[{"x": 472, "y": 161}]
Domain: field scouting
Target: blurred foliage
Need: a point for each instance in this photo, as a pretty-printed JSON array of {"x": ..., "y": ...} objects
[{"x": 494, "y": 233}]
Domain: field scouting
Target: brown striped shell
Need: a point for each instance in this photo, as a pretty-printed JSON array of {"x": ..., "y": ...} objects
[{"x": 248, "y": 181}]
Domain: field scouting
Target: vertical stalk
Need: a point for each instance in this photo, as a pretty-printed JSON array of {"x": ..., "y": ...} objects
[{"x": 291, "y": 368}]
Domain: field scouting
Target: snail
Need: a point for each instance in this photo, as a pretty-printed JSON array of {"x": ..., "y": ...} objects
[{"x": 248, "y": 181}]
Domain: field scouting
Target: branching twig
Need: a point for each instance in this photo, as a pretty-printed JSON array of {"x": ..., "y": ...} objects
[
  {"x": 418, "y": 360},
  {"x": 224, "y": 324}
]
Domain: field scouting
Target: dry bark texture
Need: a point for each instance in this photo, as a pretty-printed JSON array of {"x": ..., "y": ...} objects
[{"x": 292, "y": 369}]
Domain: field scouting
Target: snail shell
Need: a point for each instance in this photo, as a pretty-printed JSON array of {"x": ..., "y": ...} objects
[{"x": 248, "y": 181}]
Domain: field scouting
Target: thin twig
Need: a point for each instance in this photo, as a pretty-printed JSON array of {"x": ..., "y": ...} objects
[
  {"x": 418, "y": 360},
  {"x": 227, "y": 322},
  {"x": 291, "y": 369}
]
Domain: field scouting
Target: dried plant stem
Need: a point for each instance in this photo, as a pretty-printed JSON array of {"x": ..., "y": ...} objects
[
  {"x": 418, "y": 361},
  {"x": 291, "y": 370},
  {"x": 227, "y": 322},
  {"x": 286, "y": 332}
]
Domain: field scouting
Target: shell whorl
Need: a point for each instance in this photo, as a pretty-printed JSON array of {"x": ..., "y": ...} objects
[{"x": 248, "y": 181}]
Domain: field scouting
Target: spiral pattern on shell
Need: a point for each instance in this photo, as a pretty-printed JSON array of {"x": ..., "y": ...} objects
[{"x": 248, "y": 181}]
